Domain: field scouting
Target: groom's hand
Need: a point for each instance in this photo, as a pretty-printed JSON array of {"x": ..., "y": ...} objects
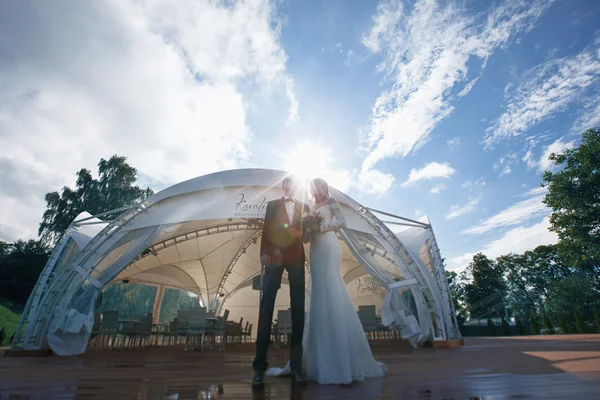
[
  {"x": 295, "y": 233},
  {"x": 265, "y": 260}
]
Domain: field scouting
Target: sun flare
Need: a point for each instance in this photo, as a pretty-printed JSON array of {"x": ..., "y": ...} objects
[{"x": 310, "y": 160}]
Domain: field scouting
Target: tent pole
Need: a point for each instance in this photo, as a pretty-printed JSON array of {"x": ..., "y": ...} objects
[
  {"x": 397, "y": 216},
  {"x": 158, "y": 299}
]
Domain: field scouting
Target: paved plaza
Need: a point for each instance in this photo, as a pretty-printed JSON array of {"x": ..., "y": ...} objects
[{"x": 542, "y": 367}]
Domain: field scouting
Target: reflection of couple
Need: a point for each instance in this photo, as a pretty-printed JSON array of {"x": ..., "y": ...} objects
[{"x": 331, "y": 347}]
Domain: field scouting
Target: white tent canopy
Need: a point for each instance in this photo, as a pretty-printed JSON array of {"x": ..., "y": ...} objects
[{"x": 203, "y": 236}]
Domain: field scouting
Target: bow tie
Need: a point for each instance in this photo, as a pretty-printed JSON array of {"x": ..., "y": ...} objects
[{"x": 289, "y": 199}]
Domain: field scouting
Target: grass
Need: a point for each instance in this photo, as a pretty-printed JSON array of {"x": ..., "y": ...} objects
[{"x": 10, "y": 314}]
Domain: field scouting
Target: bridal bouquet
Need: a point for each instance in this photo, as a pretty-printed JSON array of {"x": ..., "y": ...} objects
[{"x": 310, "y": 221}]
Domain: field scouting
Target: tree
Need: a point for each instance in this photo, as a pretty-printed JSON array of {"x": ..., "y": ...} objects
[
  {"x": 505, "y": 327},
  {"x": 113, "y": 189},
  {"x": 580, "y": 324},
  {"x": 491, "y": 328},
  {"x": 457, "y": 291},
  {"x": 574, "y": 196},
  {"x": 519, "y": 325},
  {"x": 529, "y": 277},
  {"x": 522, "y": 295},
  {"x": 534, "y": 324},
  {"x": 575, "y": 293},
  {"x": 597, "y": 318},
  {"x": 547, "y": 321},
  {"x": 20, "y": 266},
  {"x": 485, "y": 294},
  {"x": 563, "y": 324}
]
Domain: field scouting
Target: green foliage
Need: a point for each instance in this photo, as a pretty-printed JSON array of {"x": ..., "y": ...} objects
[
  {"x": 484, "y": 294},
  {"x": 491, "y": 328},
  {"x": 2, "y": 335},
  {"x": 563, "y": 324},
  {"x": 505, "y": 327},
  {"x": 547, "y": 322},
  {"x": 575, "y": 293},
  {"x": 129, "y": 299},
  {"x": 597, "y": 318},
  {"x": 530, "y": 275},
  {"x": 580, "y": 324},
  {"x": 173, "y": 300},
  {"x": 519, "y": 325},
  {"x": 9, "y": 321},
  {"x": 574, "y": 196},
  {"x": 20, "y": 267},
  {"x": 534, "y": 324},
  {"x": 457, "y": 291},
  {"x": 132, "y": 299},
  {"x": 113, "y": 189}
]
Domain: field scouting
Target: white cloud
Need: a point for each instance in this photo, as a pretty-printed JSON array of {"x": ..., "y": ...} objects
[
  {"x": 419, "y": 212},
  {"x": 516, "y": 240},
  {"x": 374, "y": 182},
  {"x": 471, "y": 185},
  {"x": 457, "y": 210},
  {"x": 528, "y": 159},
  {"x": 557, "y": 147},
  {"x": 426, "y": 50},
  {"x": 550, "y": 88},
  {"x": 438, "y": 188},
  {"x": 590, "y": 118},
  {"x": 516, "y": 214},
  {"x": 539, "y": 190},
  {"x": 506, "y": 170},
  {"x": 453, "y": 143},
  {"x": 430, "y": 171},
  {"x": 152, "y": 80}
]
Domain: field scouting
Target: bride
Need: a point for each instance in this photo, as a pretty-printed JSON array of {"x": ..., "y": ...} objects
[{"x": 336, "y": 350}]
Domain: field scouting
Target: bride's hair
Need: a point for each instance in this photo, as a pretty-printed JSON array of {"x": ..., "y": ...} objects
[{"x": 319, "y": 189}]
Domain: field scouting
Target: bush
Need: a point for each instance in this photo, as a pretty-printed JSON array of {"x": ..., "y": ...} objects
[
  {"x": 597, "y": 318},
  {"x": 505, "y": 327},
  {"x": 520, "y": 326},
  {"x": 563, "y": 324},
  {"x": 580, "y": 324},
  {"x": 548, "y": 324},
  {"x": 534, "y": 324},
  {"x": 2, "y": 335},
  {"x": 491, "y": 329}
]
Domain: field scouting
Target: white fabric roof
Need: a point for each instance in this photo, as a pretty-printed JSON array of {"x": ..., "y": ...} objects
[{"x": 203, "y": 236}]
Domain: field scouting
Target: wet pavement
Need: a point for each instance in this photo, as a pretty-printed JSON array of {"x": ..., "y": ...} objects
[{"x": 554, "y": 367}]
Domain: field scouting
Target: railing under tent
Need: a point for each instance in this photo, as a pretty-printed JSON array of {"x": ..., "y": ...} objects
[{"x": 435, "y": 306}]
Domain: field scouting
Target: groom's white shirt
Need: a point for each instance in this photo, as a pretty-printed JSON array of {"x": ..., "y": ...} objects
[{"x": 289, "y": 208}]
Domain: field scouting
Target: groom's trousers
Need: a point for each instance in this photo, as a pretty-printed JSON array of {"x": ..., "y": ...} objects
[{"x": 271, "y": 283}]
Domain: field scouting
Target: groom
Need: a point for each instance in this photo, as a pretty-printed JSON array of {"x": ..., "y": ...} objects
[{"x": 281, "y": 248}]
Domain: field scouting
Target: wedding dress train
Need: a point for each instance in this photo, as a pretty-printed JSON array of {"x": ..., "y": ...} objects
[{"x": 336, "y": 350}]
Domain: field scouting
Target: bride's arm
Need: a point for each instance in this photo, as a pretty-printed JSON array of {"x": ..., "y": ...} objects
[{"x": 338, "y": 221}]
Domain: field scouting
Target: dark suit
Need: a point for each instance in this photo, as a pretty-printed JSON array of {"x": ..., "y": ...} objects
[{"x": 286, "y": 253}]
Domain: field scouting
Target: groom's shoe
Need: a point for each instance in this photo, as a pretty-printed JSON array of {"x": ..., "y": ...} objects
[
  {"x": 298, "y": 378},
  {"x": 259, "y": 380}
]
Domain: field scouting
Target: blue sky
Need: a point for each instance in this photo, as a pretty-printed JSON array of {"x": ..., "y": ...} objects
[{"x": 439, "y": 108}]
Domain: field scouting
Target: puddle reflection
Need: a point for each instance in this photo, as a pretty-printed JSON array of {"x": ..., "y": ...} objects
[{"x": 211, "y": 392}]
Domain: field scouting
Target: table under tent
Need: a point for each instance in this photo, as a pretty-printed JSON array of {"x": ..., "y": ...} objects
[{"x": 196, "y": 245}]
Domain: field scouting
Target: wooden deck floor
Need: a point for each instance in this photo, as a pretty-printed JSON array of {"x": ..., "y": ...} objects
[{"x": 494, "y": 368}]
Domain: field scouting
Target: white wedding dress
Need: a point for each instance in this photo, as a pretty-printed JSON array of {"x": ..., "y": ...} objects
[{"x": 336, "y": 350}]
